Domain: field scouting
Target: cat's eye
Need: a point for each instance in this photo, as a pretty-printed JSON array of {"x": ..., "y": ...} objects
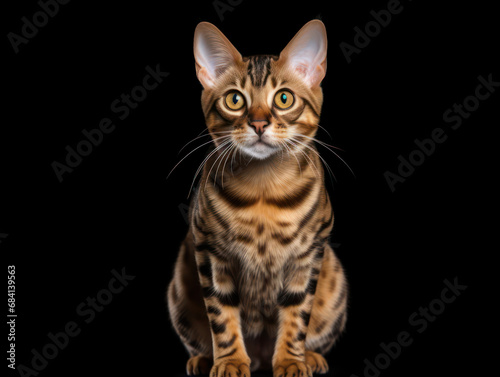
[
  {"x": 283, "y": 99},
  {"x": 234, "y": 100}
]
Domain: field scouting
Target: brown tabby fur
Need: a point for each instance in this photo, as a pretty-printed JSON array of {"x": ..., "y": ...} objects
[{"x": 256, "y": 284}]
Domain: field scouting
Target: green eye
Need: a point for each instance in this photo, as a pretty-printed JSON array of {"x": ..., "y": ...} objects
[
  {"x": 234, "y": 100},
  {"x": 283, "y": 99}
]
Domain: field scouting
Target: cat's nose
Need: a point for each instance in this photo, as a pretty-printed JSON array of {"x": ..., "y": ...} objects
[{"x": 259, "y": 126}]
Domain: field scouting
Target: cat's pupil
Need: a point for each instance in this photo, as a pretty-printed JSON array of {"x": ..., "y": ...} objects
[
  {"x": 283, "y": 98},
  {"x": 236, "y": 98}
]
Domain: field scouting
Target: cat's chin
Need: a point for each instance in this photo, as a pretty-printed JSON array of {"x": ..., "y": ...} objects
[{"x": 259, "y": 150}]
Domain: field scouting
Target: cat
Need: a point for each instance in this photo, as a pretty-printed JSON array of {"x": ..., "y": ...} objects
[{"x": 256, "y": 284}]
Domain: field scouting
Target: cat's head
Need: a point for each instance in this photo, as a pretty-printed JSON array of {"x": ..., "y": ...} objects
[{"x": 262, "y": 104}]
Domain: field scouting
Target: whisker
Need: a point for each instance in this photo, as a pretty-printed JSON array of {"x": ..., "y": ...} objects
[
  {"x": 251, "y": 158},
  {"x": 325, "y": 145},
  {"x": 224, "y": 154},
  {"x": 231, "y": 149},
  {"x": 317, "y": 153},
  {"x": 309, "y": 160},
  {"x": 319, "y": 141},
  {"x": 204, "y": 162},
  {"x": 314, "y": 151},
  {"x": 293, "y": 154},
  {"x": 200, "y": 136},
  {"x": 324, "y": 129},
  {"x": 232, "y": 160},
  {"x": 281, "y": 143},
  {"x": 208, "y": 142},
  {"x": 316, "y": 173},
  {"x": 210, "y": 171}
]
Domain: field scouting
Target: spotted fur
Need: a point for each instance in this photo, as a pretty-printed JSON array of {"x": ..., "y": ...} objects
[{"x": 256, "y": 284}]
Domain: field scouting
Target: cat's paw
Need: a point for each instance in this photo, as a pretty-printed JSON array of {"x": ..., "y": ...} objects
[
  {"x": 291, "y": 368},
  {"x": 199, "y": 365},
  {"x": 231, "y": 368},
  {"x": 317, "y": 362}
]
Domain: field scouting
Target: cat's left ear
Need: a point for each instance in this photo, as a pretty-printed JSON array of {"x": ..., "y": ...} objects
[
  {"x": 306, "y": 53},
  {"x": 213, "y": 53}
]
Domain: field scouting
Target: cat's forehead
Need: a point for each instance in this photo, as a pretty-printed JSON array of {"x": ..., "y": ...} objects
[
  {"x": 258, "y": 68},
  {"x": 258, "y": 74}
]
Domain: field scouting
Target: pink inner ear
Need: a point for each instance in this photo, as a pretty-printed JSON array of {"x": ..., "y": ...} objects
[
  {"x": 205, "y": 78},
  {"x": 301, "y": 69},
  {"x": 306, "y": 53},
  {"x": 311, "y": 75},
  {"x": 213, "y": 53},
  {"x": 317, "y": 75}
]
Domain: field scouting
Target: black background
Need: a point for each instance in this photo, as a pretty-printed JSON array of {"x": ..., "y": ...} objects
[{"x": 117, "y": 209}]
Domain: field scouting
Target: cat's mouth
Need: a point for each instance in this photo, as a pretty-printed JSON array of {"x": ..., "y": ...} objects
[
  {"x": 261, "y": 142},
  {"x": 259, "y": 149}
]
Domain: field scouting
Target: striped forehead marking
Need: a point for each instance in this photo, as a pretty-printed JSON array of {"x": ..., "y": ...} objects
[{"x": 259, "y": 68}]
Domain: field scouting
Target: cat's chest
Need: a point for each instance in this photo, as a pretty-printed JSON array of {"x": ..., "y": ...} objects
[
  {"x": 259, "y": 289},
  {"x": 268, "y": 239},
  {"x": 268, "y": 227}
]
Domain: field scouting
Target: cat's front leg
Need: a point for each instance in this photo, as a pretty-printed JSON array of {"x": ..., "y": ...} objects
[
  {"x": 222, "y": 305},
  {"x": 295, "y": 304}
]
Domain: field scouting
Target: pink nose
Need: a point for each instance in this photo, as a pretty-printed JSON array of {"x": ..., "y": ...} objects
[{"x": 259, "y": 126}]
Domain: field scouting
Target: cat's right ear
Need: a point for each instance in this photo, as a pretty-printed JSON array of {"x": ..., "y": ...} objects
[
  {"x": 213, "y": 53},
  {"x": 305, "y": 54}
]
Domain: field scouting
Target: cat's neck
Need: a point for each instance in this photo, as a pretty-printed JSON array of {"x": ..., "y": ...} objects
[{"x": 278, "y": 172}]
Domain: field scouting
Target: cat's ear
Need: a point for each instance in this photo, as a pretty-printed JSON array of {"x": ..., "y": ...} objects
[
  {"x": 306, "y": 53},
  {"x": 213, "y": 53}
]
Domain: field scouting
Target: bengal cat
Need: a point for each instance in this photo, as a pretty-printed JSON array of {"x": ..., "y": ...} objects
[{"x": 256, "y": 284}]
